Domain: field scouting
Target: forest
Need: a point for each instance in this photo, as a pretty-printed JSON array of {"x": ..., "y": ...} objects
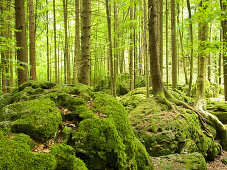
[{"x": 113, "y": 84}]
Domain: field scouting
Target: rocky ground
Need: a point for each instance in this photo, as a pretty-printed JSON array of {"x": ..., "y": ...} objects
[{"x": 217, "y": 163}]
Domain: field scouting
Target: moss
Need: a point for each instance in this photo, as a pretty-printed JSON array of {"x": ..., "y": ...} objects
[
  {"x": 224, "y": 161},
  {"x": 16, "y": 153},
  {"x": 166, "y": 132},
  {"x": 181, "y": 161},
  {"x": 66, "y": 158},
  {"x": 99, "y": 140},
  {"x": 82, "y": 90},
  {"x": 38, "y": 118}
]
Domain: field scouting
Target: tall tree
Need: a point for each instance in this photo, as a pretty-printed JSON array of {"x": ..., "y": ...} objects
[
  {"x": 67, "y": 65},
  {"x": 21, "y": 41},
  {"x": 167, "y": 44},
  {"x": 84, "y": 75},
  {"x": 131, "y": 49},
  {"x": 112, "y": 82},
  {"x": 55, "y": 45},
  {"x": 47, "y": 42},
  {"x": 32, "y": 41},
  {"x": 173, "y": 42},
  {"x": 224, "y": 35},
  {"x": 145, "y": 46},
  {"x": 160, "y": 25},
  {"x": 202, "y": 36},
  {"x": 77, "y": 40},
  {"x": 191, "y": 45}
]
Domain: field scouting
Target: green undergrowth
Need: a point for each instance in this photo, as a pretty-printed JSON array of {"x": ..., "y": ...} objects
[{"x": 164, "y": 131}]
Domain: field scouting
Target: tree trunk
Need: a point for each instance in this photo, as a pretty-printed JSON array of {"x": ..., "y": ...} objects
[
  {"x": 47, "y": 43},
  {"x": 191, "y": 52},
  {"x": 32, "y": 41},
  {"x": 21, "y": 41},
  {"x": 224, "y": 35},
  {"x": 209, "y": 57},
  {"x": 173, "y": 41},
  {"x": 158, "y": 88},
  {"x": 161, "y": 34},
  {"x": 84, "y": 75},
  {"x": 131, "y": 49},
  {"x": 220, "y": 58},
  {"x": 55, "y": 46},
  {"x": 77, "y": 41},
  {"x": 167, "y": 45},
  {"x": 65, "y": 4},
  {"x": 145, "y": 46}
]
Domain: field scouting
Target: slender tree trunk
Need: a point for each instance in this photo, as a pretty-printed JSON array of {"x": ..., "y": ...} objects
[
  {"x": 131, "y": 49},
  {"x": 47, "y": 36},
  {"x": 65, "y": 2},
  {"x": 224, "y": 28},
  {"x": 167, "y": 44},
  {"x": 145, "y": 46},
  {"x": 157, "y": 84},
  {"x": 85, "y": 42},
  {"x": 112, "y": 82},
  {"x": 32, "y": 41},
  {"x": 55, "y": 46},
  {"x": 77, "y": 41},
  {"x": 191, "y": 45},
  {"x": 220, "y": 59},
  {"x": 115, "y": 48},
  {"x": 209, "y": 57},
  {"x": 173, "y": 41},
  {"x": 161, "y": 34},
  {"x": 21, "y": 41},
  {"x": 202, "y": 35}
]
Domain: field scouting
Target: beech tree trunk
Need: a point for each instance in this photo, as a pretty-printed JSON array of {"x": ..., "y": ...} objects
[
  {"x": 173, "y": 42},
  {"x": 84, "y": 75},
  {"x": 131, "y": 49},
  {"x": 21, "y": 41},
  {"x": 55, "y": 46},
  {"x": 32, "y": 41}
]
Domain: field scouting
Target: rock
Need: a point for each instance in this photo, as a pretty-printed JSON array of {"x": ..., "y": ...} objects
[
  {"x": 180, "y": 161},
  {"x": 16, "y": 153},
  {"x": 38, "y": 118},
  {"x": 66, "y": 158},
  {"x": 224, "y": 161},
  {"x": 164, "y": 131}
]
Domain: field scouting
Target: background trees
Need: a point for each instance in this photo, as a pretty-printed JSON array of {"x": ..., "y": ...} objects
[{"x": 60, "y": 50}]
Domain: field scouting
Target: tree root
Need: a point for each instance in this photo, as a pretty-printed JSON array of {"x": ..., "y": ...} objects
[{"x": 203, "y": 115}]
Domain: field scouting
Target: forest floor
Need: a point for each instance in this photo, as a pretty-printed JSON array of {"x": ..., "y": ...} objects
[{"x": 217, "y": 163}]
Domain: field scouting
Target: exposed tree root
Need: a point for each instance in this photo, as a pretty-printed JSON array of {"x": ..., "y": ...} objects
[{"x": 203, "y": 115}]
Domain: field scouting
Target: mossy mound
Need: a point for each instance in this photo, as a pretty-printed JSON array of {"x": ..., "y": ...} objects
[
  {"x": 38, "y": 118},
  {"x": 218, "y": 109},
  {"x": 180, "y": 161},
  {"x": 165, "y": 131},
  {"x": 106, "y": 140},
  {"x": 66, "y": 158},
  {"x": 16, "y": 153},
  {"x": 76, "y": 126}
]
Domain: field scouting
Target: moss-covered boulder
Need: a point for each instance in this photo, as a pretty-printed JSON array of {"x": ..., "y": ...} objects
[
  {"x": 165, "y": 131},
  {"x": 180, "y": 161},
  {"x": 16, "y": 153},
  {"x": 66, "y": 158},
  {"x": 218, "y": 109},
  {"x": 38, "y": 118},
  {"x": 106, "y": 140}
]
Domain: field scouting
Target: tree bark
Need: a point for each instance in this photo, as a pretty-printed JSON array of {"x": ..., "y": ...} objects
[
  {"x": 161, "y": 34},
  {"x": 131, "y": 49},
  {"x": 84, "y": 75},
  {"x": 32, "y": 41},
  {"x": 77, "y": 41},
  {"x": 55, "y": 46},
  {"x": 173, "y": 42},
  {"x": 21, "y": 41},
  {"x": 167, "y": 45},
  {"x": 47, "y": 43}
]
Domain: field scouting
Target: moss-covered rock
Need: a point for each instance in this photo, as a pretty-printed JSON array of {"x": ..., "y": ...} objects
[
  {"x": 180, "y": 161},
  {"x": 38, "y": 118},
  {"x": 107, "y": 140},
  {"x": 66, "y": 158},
  {"x": 16, "y": 153},
  {"x": 165, "y": 131}
]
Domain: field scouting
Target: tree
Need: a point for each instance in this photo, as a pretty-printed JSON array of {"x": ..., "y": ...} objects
[
  {"x": 224, "y": 35},
  {"x": 65, "y": 3},
  {"x": 173, "y": 42},
  {"x": 32, "y": 41},
  {"x": 21, "y": 41},
  {"x": 84, "y": 75},
  {"x": 131, "y": 49},
  {"x": 55, "y": 45}
]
